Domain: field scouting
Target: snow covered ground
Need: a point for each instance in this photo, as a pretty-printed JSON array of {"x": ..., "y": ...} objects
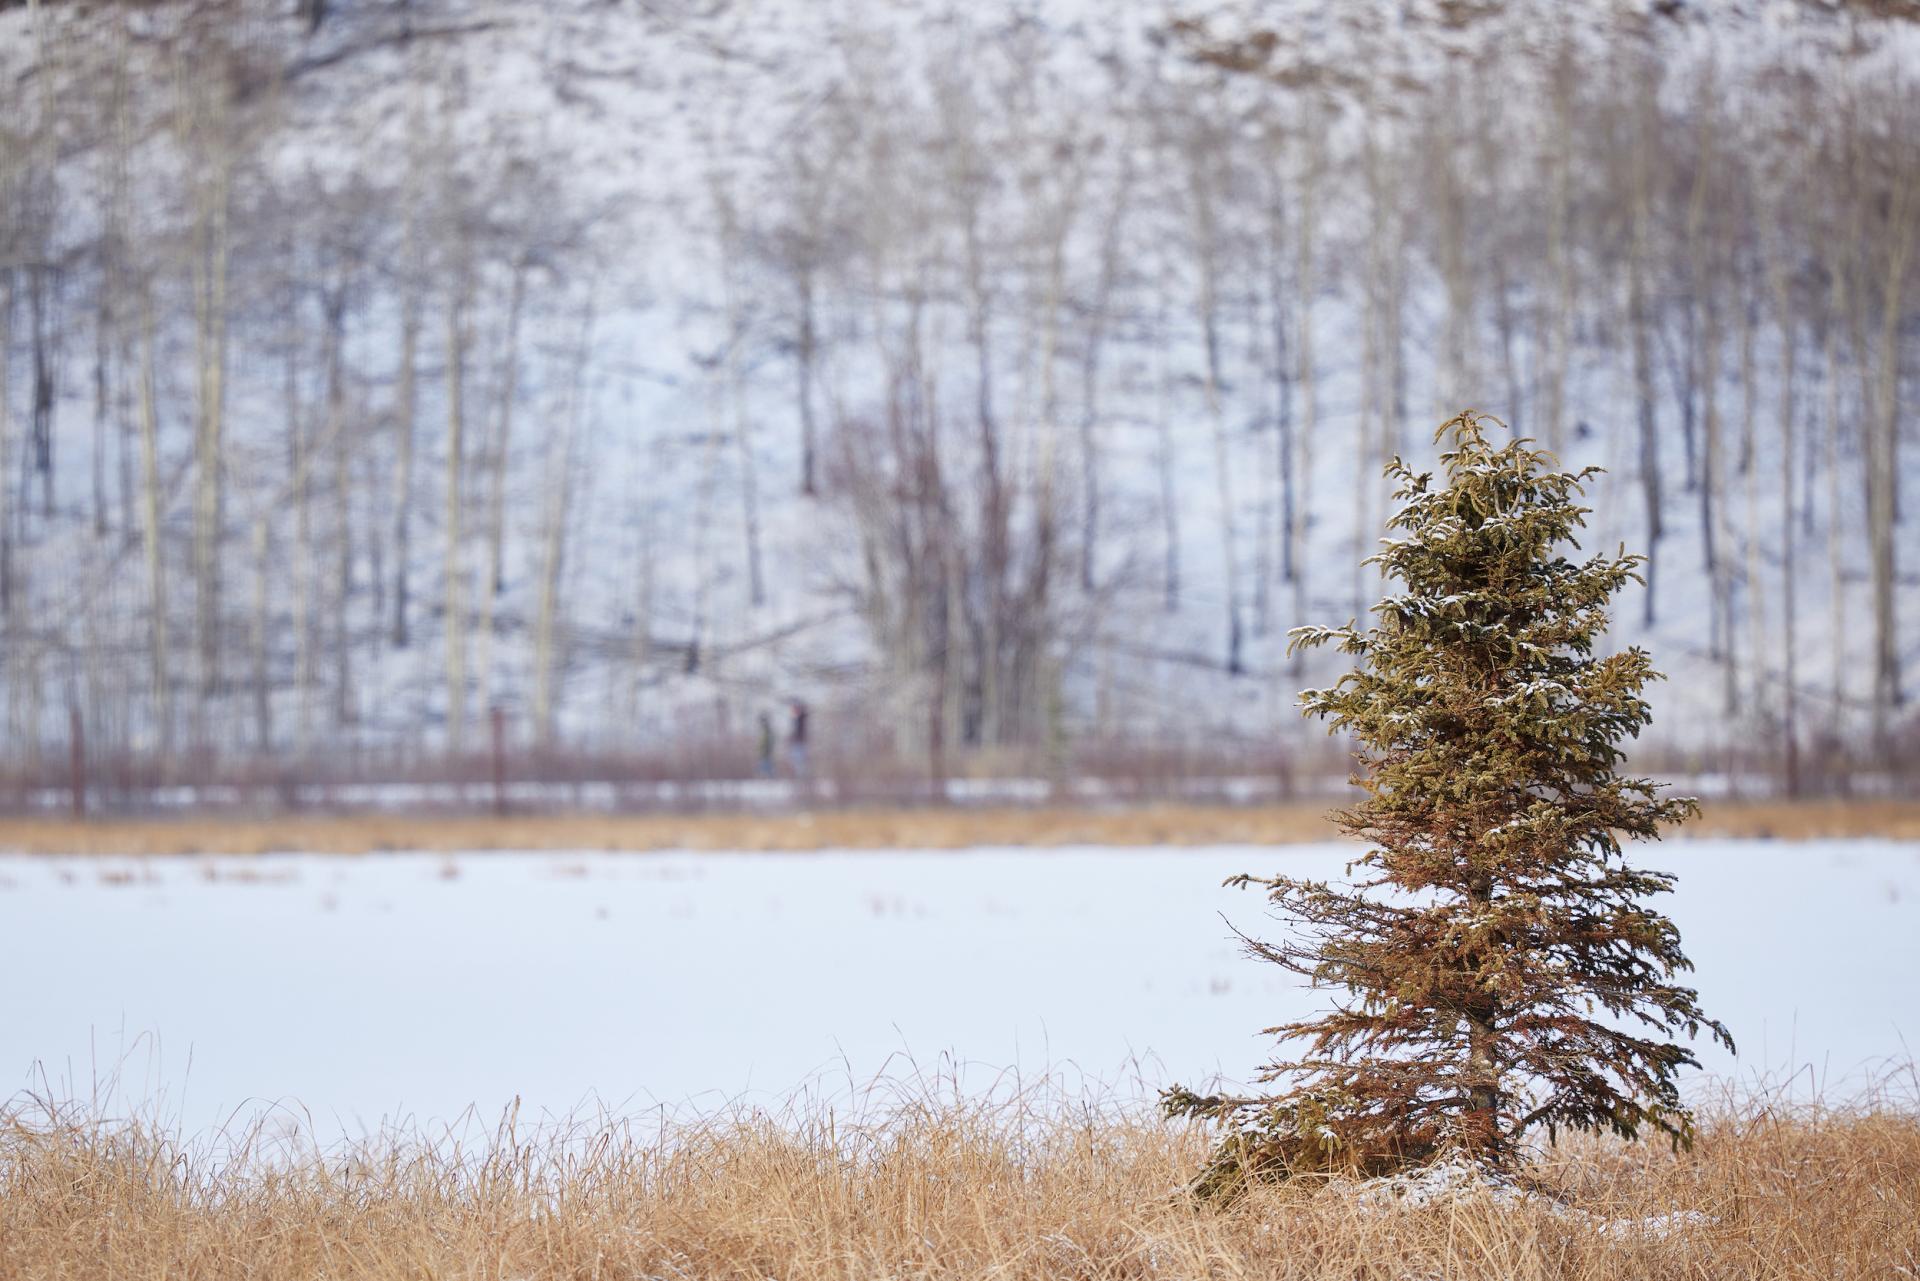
[{"x": 359, "y": 989}]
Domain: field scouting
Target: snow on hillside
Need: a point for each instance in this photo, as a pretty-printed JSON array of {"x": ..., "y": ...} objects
[
  {"x": 660, "y": 155},
  {"x": 348, "y": 990}
]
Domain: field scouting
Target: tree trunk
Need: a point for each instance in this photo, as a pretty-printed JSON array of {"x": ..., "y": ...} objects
[
  {"x": 404, "y": 411},
  {"x": 1560, "y": 259},
  {"x": 1306, "y": 282},
  {"x": 1883, "y": 469},
  {"x": 643, "y": 621},
  {"x": 806, "y": 339},
  {"x": 337, "y": 437},
  {"x": 1209, "y": 317},
  {"x": 501, "y": 453},
  {"x": 1111, "y": 246},
  {"x": 560, "y": 467},
  {"x": 150, "y": 523},
  {"x": 1287, "y": 523},
  {"x": 104, "y": 324},
  {"x": 300, "y": 464},
  {"x": 1789, "y": 692},
  {"x": 6, "y": 445},
  {"x": 1720, "y": 639},
  {"x": 44, "y": 287},
  {"x": 496, "y": 461},
  {"x": 1755, "y": 589},
  {"x": 1830, "y": 461},
  {"x": 1164, "y": 457},
  {"x": 1640, "y": 323},
  {"x": 1481, "y": 1121},
  {"x": 453, "y": 595},
  {"x": 749, "y": 474},
  {"x": 210, "y": 298},
  {"x": 262, "y": 693}
]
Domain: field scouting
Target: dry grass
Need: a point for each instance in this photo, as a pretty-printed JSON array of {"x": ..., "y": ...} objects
[
  {"x": 841, "y": 829},
  {"x": 929, "y": 1189}
]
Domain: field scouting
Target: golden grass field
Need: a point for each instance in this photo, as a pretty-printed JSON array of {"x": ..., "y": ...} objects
[
  {"x": 937, "y": 828},
  {"x": 926, "y": 1189}
]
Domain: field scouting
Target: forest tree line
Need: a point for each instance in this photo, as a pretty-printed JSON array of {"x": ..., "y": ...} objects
[{"x": 1004, "y": 390}]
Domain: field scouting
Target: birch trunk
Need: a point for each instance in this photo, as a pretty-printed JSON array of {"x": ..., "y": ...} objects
[
  {"x": 210, "y": 297},
  {"x": 1755, "y": 600},
  {"x": 1111, "y": 245},
  {"x": 642, "y": 623},
  {"x": 104, "y": 324},
  {"x": 497, "y": 456},
  {"x": 262, "y": 690},
  {"x": 299, "y": 456},
  {"x": 749, "y": 475},
  {"x": 806, "y": 339},
  {"x": 1305, "y": 282},
  {"x": 6, "y": 444},
  {"x": 454, "y": 598},
  {"x": 1164, "y": 457},
  {"x": 1560, "y": 262},
  {"x": 1720, "y": 639},
  {"x": 1209, "y": 317},
  {"x": 405, "y": 409},
  {"x": 150, "y": 523},
  {"x": 1283, "y": 390},
  {"x": 1789, "y": 692},
  {"x": 1884, "y": 462},
  {"x": 1640, "y": 323},
  {"x": 560, "y": 468},
  {"x": 337, "y": 436},
  {"x": 1830, "y": 460}
]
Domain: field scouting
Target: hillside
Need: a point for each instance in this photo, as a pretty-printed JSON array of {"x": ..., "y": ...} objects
[{"x": 991, "y": 376}]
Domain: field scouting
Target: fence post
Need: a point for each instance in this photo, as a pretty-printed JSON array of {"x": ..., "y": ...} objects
[
  {"x": 77, "y": 761},
  {"x": 499, "y": 719}
]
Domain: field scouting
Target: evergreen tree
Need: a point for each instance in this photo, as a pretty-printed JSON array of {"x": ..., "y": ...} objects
[{"x": 1502, "y": 968}]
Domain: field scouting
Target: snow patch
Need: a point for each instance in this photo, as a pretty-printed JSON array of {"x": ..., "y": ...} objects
[{"x": 1458, "y": 1181}]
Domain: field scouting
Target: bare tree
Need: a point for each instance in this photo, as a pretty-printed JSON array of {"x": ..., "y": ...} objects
[
  {"x": 561, "y": 464},
  {"x": 150, "y": 525},
  {"x": 454, "y": 570},
  {"x": 1201, "y": 152},
  {"x": 1899, "y": 202},
  {"x": 208, "y": 130}
]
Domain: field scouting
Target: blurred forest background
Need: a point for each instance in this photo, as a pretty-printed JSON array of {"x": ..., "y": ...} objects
[{"x": 393, "y": 391}]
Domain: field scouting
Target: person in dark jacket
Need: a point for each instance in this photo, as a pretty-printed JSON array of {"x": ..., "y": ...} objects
[{"x": 797, "y": 739}]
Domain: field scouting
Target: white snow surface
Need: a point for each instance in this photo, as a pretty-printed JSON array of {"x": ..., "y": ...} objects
[
  {"x": 345, "y": 993},
  {"x": 1454, "y": 1181}
]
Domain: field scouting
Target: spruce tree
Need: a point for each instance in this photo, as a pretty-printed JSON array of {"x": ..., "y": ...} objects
[{"x": 1502, "y": 969}]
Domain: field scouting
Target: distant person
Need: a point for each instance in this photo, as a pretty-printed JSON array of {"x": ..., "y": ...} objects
[
  {"x": 765, "y": 766},
  {"x": 797, "y": 739}
]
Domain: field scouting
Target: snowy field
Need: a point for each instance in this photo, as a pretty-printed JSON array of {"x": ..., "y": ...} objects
[{"x": 354, "y": 990}]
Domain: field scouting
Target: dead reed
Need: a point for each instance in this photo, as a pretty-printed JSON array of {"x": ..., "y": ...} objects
[
  {"x": 927, "y": 1185},
  {"x": 854, "y": 828}
]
